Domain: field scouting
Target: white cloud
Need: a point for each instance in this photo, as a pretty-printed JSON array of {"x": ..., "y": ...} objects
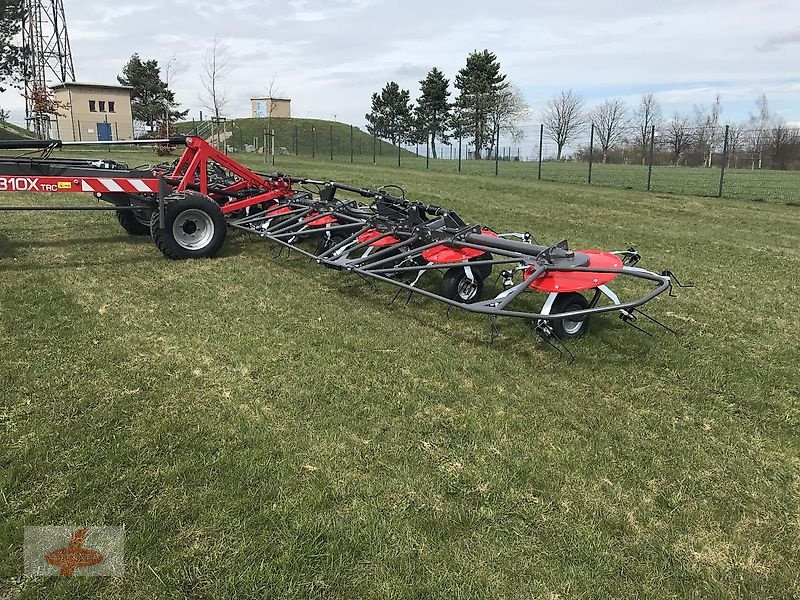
[{"x": 330, "y": 55}]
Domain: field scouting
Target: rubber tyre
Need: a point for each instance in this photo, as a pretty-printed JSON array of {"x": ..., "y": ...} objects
[
  {"x": 567, "y": 329},
  {"x": 325, "y": 243},
  {"x": 485, "y": 271},
  {"x": 457, "y": 286},
  {"x": 204, "y": 210},
  {"x": 135, "y": 222}
]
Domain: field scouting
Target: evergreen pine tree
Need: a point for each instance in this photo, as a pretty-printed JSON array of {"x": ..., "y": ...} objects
[
  {"x": 11, "y": 12},
  {"x": 151, "y": 96},
  {"x": 480, "y": 83},
  {"x": 391, "y": 115},
  {"x": 433, "y": 108}
]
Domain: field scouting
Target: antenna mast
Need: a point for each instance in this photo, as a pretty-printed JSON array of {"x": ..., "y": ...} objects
[{"x": 48, "y": 57}]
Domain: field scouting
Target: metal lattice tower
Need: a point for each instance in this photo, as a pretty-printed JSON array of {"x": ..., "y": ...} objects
[{"x": 48, "y": 56}]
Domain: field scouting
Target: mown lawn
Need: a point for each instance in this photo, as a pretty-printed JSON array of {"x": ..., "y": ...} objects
[{"x": 266, "y": 428}]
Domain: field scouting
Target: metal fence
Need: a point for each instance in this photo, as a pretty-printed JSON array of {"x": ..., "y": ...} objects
[{"x": 729, "y": 162}]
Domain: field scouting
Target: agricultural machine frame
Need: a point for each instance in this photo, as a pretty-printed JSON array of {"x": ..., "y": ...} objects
[{"x": 188, "y": 206}]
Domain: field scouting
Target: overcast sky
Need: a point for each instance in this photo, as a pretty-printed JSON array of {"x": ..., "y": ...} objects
[{"x": 330, "y": 55}]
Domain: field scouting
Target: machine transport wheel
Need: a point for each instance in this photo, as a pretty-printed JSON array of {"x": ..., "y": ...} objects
[
  {"x": 484, "y": 270},
  {"x": 569, "y": 329},
  {"x": 326, "y": 243},
  {"x": 194, "y": 226},
  {"x": 456, "y": 285},
  {"x": 135, "y": 222}
]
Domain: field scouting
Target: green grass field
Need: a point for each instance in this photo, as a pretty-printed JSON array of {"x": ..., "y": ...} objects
[
  {"x": 265, "y": 428},
  {"x": 740, "y": 184},
  {"x": 298, "y": 136}
]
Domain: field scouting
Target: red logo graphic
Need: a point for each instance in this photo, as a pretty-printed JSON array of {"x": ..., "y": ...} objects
[{"x": 74, "y": 556}]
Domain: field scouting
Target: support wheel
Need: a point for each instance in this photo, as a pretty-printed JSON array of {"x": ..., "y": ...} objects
[
  {"x": 569, "y": 329},
  {"x": 326, "y": 243},
  {"x": 456, "y": 285},
  {"x": 485, "y": 271},
  {"x": 194, "y": 226},
  {"x": 135, "y": 222}
]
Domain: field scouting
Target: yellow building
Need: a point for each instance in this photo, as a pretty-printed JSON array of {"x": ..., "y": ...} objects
[
  {"x": 93, "y": 113},
  {"x": 278, "y": 107}
]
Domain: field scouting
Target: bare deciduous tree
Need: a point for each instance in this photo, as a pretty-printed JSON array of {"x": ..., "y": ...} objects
[
  {"x": 648, "y": 115},
  {"x": 779, "y": 137},
  {"x": 272, "y": 91},
  {"x": 508, "y": 110},
  {"x": 678, "y": 136},
  {"x": 215, "y": 70},
  {"x": 564, "y": 118},
  {"x": 610, "y": 120},
  {"x": 759, "y": 125},
  {"x": 736, "y": 139},
  {"x": 708, "y": 131}
]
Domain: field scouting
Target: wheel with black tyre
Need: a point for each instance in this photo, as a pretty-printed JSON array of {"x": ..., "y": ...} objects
[
  {"x": 194, "y": 226},
  {"x": 456, "y": 285},
  {"x": 569, "y": 328},
  {"x": 485, "y": 271},
  {"x": 326, "y": 243},
  {"x": 135, "y": 222}
]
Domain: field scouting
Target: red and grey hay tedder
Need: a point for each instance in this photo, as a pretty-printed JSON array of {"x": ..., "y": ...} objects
[{"x": 188, "y": 206}]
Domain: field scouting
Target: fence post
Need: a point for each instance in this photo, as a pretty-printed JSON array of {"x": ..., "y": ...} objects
[
  {"x": 351, "y": 143},
  {"x": 591, "y": 153},
  {"x": 497, "y": 152},
  {"x": 650, "y": 161},
  {"x": 541, "y": 145},
  {"x": 272, "y": 137},
  {"x": 399, "y": 147},
  {"x": 296, "y": 142},
  {"x": 313, "y": 142},
  {"x": 459, "y": 152},
  {"x": 331, "y": 142},
  {"x": 724, "y": 162},
  {"x": 427, "y": 150}
]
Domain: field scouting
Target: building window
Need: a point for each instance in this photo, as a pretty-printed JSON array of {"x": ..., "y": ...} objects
[
  {"x": 92, "y": 106},
  {"x": 111, "y": 107},
  {"x": 102, "y": 106}
]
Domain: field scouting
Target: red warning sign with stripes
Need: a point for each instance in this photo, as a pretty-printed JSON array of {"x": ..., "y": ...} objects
[{"x": 79, "y": 184}]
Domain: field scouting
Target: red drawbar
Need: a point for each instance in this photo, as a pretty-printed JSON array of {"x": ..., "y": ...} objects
[
  {"x": 370, "y": 235},
  {"x": 444, "y": 254},
  {"x": 579, "y": 281}
]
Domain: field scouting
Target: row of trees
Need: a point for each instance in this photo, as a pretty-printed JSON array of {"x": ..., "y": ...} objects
[
  {"x": 621, "y": 131},
  {"x": 486, "y": 104}
]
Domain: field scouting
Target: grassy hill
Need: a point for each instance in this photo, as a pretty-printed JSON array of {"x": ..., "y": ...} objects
[
  {"x": 303, "y": 137},
  {"x": 9, "y": 131}
]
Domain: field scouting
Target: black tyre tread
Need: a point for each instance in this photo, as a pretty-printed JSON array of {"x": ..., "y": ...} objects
[
  {"x": 485, "y": 271},
  {"x": 131, "y": 224},
  {"x": 174, "y": 203},
  {"x": 561, "y": 304},
  {"x": 450, "y": 282},
  {"x": 325, "y": 243}
]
